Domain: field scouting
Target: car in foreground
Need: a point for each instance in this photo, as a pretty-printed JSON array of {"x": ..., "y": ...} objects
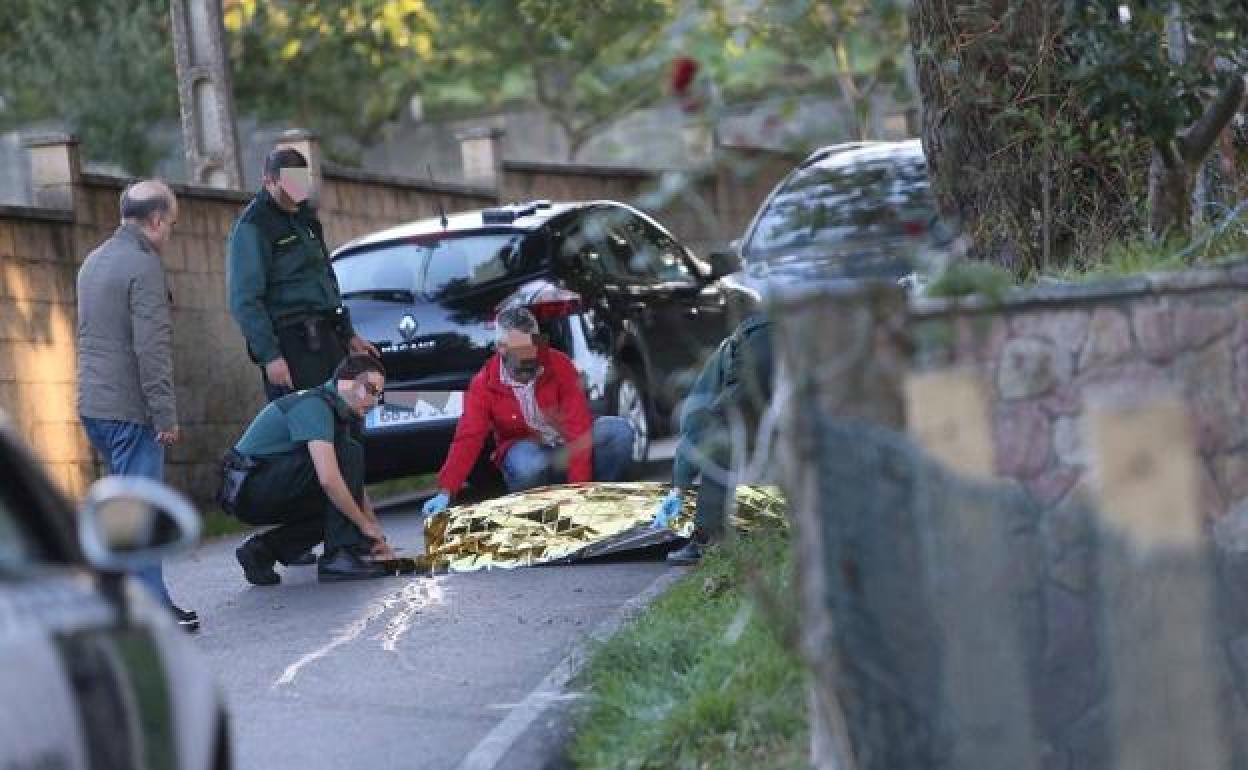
[
  {"x": 635, "y": 310},
  {"x": 93, "y": 672},
  {"x": 861, "y": 210}
]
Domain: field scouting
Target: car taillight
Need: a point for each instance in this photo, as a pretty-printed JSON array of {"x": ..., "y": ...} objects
[
  {"x": 551, "y": 309},
  {"x": 546, "y": 304}
]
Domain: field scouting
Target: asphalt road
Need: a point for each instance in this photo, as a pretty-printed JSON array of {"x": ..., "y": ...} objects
[{"x": 456, "y": 671}]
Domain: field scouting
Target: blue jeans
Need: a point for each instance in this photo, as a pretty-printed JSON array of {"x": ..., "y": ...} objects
[
  {"x": 131, "y": 449},
  {"x": 528, "y": 464}
]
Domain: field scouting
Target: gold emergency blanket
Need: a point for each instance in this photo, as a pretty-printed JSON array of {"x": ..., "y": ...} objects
[{"x": 574, "y": 522}]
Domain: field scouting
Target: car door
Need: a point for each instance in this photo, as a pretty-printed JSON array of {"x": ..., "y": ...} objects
[
  {"x": 76, "y": 689},
  {"x": 684, "y": 317}
]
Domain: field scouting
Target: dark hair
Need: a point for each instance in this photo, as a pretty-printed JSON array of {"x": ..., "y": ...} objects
[
  {"x": 141, "y": 208},
  {"x": 356, "y": 364},
  {"x": 283, "y": 157}
]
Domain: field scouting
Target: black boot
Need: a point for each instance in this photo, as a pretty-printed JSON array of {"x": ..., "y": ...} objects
[
  {"x": 692, "y": 551},
  {"x": 257, "y": 560},
  {"x": 346, "y": 564},
  {"x": 305, "y": 559},
  {"x": 187, "y": 620}
]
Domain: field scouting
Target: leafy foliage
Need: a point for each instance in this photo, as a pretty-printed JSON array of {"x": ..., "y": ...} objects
[{"x": 104, "y": 67}]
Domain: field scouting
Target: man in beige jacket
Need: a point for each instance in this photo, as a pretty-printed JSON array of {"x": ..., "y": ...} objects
[{"x": 125, "y": 349}]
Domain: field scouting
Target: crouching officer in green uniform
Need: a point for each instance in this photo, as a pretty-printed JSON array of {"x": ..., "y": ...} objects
[
  {"x": 735, "y": 383},
  {"x": 281, "y": 289},
  {"x": 298, "y": 466}
]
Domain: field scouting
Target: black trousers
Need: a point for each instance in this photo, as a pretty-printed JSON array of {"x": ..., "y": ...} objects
[
  {"x": 311, "y": 352},
  {"x": 285, "y": 491}
]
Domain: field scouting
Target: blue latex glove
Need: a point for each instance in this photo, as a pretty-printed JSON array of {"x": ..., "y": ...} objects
[
  {"x": 667, "y": 510},
  {"x": 436, "y": 504}
]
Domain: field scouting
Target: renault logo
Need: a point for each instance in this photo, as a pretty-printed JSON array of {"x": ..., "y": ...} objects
[{"x": 407, "y": 327}]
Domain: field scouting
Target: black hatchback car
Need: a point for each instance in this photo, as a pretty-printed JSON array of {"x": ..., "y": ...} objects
[{"x": 635, "y": 310}]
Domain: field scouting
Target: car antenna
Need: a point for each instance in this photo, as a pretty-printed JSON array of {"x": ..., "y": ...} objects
[{"x": 437, "y": 197}]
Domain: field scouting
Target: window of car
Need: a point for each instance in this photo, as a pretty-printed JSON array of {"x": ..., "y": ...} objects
[
  {"x": 437, "y": 265},
  {"x": 656, "y": 254},
  {"x": 825, "y": 204}
]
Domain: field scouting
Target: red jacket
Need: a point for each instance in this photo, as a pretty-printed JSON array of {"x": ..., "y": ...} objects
[{"x": 490, "y": 405}]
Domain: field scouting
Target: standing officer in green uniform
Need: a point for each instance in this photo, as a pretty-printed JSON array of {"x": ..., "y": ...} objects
[
  {"x": 303, "y": 470},
  {"x": 281, "y": 289},
  {"x": 735, "y": 383}
]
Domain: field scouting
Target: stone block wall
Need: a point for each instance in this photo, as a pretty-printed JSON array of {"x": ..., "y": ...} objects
[{"x": 1043, "y": 353}]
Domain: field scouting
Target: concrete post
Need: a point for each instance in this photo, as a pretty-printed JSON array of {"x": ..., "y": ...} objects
[
  {"x": 209, "y": 131},
  {"x": 55, "y": 170},
  {"x": 481, "y": 150}
]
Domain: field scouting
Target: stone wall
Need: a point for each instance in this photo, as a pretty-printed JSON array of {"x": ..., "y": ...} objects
[{"x": 1043, "y": 353}]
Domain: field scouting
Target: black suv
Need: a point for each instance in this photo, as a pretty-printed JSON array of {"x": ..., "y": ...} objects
[{"x": 634, "y": 309}]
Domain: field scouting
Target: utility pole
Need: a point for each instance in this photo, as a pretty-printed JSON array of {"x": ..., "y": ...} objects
[{"x": 209, "y": 131}]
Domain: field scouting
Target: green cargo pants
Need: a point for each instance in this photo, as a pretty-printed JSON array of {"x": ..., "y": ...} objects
[{"x": 285, "y": 491}]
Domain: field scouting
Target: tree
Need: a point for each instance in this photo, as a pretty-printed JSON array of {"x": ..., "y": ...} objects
[
  {"x": 104, "y": 68},
  {"x": 344, "y": 68},
  {"x": 860, "y": 44},
  {"x": 585, "y": 64},
  {"x": 1173, "y": 70}
]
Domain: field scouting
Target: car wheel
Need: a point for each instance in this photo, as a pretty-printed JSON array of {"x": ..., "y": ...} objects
[{"x": 631, "y": 404}]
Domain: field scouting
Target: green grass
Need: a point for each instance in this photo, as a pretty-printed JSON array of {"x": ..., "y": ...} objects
[
  {"x": 673, "y": 690},
  {"x": 218, "y": 524},
  {"x": 393, "y": 487}
]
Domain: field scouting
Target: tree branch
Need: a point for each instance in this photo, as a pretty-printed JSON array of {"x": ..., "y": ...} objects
[{"x": 1199, "y": 138}]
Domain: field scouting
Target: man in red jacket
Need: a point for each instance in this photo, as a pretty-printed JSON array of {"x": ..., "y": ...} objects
[{"x": 530, "y": 397}]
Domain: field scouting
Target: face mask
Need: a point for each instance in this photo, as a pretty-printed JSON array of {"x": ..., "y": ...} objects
[
  {"x": 521, "y": 369},
  {"x": 296, "y": 182}
]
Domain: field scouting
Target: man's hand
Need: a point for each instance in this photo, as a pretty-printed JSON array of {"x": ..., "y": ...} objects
[
  {"x": 668, "y": 509},
  {"x": 278, "y": 373},
  {"x": 437, "y": 503},
  {"x": 360, "y": 345},
  {"x": 382, "y": 550},
  {"x": 168, "y": 437}
]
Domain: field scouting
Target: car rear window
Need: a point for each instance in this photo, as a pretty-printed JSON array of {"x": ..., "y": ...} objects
[
  {"x": 435, "y": 266},
  {"x": 822, "y": 205}
]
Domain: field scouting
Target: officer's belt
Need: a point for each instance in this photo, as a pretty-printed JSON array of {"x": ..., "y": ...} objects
[{"x": 301, "y": 318}]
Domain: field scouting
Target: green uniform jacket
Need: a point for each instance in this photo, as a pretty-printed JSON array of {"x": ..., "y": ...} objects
[
  {"x": 737, "y": 377},
  {"x": 277, "y": 269}
]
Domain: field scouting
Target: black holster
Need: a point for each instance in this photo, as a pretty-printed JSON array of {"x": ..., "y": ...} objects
[{"x": 235, "y": 470}]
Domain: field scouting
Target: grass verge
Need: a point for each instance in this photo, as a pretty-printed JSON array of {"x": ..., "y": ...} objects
[{"x": 701, "y": 679}]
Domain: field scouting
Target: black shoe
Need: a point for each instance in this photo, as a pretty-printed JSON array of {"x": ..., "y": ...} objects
[
  {"x": 691, "y": 553},
  {"x": 257, "y": 562},
  {"x": 305, "y": 559},
  {"x": 346, "y": 564},
  {"x": 187, "y": 620}
]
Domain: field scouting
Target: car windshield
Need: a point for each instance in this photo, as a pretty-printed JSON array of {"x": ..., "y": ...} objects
[
  {"x": 820, "y": 207},
  {"x": 431, "y": 267}
]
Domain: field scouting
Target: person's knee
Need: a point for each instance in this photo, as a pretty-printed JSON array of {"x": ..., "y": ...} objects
[
  {"x": 524, "y": 467},
  {"x": 613, "y": 432}
]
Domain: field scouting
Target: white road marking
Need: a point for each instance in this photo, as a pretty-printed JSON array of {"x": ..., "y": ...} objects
[
  {"x": 491, "y": 750},
  {"x": 411, "y": 598}
]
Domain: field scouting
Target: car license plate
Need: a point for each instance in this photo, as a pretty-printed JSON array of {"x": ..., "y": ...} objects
[{"x": 404, "y": 407}]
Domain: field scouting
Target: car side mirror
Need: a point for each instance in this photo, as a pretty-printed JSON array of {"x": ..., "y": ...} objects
[
  {"x": 128, "y": 522},
  {"x": 725, "y": 262}
]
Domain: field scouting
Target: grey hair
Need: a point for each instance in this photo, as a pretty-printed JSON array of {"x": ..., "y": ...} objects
[{"x": 516, "y": 319}]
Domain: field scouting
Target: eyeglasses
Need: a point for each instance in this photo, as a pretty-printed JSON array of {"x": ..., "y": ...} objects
[{"x": 374, "y": 391}]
